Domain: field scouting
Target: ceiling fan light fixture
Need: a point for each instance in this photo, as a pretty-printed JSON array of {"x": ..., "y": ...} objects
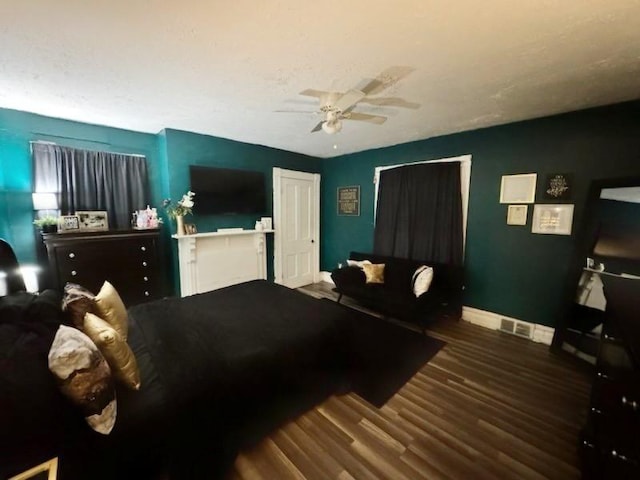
[{"x": 332, "y": 127}]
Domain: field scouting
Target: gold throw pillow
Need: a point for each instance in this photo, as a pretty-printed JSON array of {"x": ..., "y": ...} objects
[
  {"x": 115, "y": 349},
  {"x": 374, "y": 272},
  {"x": 110, "y": 308}
]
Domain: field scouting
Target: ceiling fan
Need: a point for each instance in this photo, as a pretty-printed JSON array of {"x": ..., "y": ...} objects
[{"x": 337, "y": 106}]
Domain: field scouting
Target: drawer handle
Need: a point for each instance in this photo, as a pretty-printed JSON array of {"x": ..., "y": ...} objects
[
  {"x": 73, "y": 273},
  {"x": 623, "y": 458},
  {"x": 144, "y": 264},
  {"x": 72, "y": 255},
  {"x": 588, "y": 445},
  {"x": 144, "y": 249},
  {"x": 629, "y": 403},
  {"x": 146, "y": 294},
  {"x": 146, "y": 279},
  {"x": 602, "y": 375},
  {"x": 595, "y": 410}
]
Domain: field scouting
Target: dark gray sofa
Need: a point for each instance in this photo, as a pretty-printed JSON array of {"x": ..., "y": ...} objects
[{"x": 395, "y": 297}]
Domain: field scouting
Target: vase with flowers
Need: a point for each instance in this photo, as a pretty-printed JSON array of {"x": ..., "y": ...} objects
[{"x": 179, "y": 209}]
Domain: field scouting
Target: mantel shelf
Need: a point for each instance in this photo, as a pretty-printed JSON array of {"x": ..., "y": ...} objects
[{"x": 221, "y": 234}]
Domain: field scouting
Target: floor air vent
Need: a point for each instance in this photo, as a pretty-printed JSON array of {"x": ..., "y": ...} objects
[{"x": 515, "y": 328}]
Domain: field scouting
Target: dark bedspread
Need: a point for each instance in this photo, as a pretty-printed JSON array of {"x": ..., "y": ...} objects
[{"x": 218, "y": 371}]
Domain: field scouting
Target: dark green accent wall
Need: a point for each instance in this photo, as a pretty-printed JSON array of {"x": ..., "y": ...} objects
[
  {"x": 509, "y": 270},
  {"x": 17, "y": 129},
  {"x": 185, "y": 148}
]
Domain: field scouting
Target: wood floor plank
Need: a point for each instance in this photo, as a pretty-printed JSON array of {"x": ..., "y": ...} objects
[{"x": 488, "y": 405}]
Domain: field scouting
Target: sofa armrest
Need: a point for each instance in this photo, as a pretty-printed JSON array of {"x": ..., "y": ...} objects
[{"x": 344, "y": 278}]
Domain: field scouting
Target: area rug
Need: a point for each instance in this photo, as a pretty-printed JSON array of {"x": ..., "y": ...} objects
[{"x": 385, "y": 356}]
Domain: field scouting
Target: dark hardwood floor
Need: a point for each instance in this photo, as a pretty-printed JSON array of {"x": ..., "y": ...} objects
[{"x": 488, "y": 405}]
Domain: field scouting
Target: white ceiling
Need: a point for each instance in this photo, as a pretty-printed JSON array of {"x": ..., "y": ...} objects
[{"x": 223, "y": 68}]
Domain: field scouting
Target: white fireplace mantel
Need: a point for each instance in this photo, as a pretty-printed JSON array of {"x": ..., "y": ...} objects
[{"x": 213, "y": 260}]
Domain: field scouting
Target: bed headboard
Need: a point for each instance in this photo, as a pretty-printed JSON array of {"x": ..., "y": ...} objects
[{"x": 10, "y": 278}]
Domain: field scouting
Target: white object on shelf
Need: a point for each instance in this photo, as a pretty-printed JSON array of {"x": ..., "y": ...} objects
[{"x": 230, "y": 230}]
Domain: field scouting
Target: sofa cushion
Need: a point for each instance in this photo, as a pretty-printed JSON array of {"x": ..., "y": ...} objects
[
  {"x": 421, "y": 280},
  {"x": 374, "y": 273}
]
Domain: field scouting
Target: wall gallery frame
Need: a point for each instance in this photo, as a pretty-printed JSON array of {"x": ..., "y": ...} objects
[
  {"x": 45, "y": 471},
  {"x": 518, "y": 188},
  {"x": 349, "y": 200},
  {"x": 552, "y": 219},
  {"x": 517, "y": 214}
]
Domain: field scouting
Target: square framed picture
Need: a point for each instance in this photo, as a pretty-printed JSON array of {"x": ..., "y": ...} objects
[
  {"x": 45, "y": 471},
  {"x": 517, "y": 214},
  {"x": 552, "y": 219},
  {"x": 558, "y": 186},
  {"x": 518, "y": 188},
  {"x": 93, "y": 221}
]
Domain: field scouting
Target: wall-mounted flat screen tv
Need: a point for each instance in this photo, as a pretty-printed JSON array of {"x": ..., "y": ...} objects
[{"x": 227, "y": 191}]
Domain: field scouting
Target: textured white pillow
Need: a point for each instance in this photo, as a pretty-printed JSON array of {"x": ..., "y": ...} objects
[
  {"x": 421, "y": 280},
  {"x": 359, "y": 264}
]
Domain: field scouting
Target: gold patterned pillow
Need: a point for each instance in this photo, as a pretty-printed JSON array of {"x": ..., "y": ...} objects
[
  {"x": 110, "y": 308},
  {"x": 116, "y": 351},
  {"x": 84, "y": 377},
  {"x": 374, "y": 272}
]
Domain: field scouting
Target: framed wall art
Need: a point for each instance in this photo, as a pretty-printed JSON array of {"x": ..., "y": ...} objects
[
  {"x": 552, "y": 219},
  {"x": 517, "y": 214},
  {"x": 349, "y": 200},
  {"x": 518, "y": 188},
  {"x": 93, "y": 221},
  {"x": 558, "y": 186}
]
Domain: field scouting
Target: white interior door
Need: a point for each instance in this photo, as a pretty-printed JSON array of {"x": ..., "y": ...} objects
[{"x": 296, "y": 219}]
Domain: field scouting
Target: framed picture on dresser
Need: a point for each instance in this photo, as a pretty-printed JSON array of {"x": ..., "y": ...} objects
[{"x": 93, "y": 221}]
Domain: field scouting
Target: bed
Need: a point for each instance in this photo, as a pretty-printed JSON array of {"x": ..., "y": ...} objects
[{"x": 218, "y": 370}]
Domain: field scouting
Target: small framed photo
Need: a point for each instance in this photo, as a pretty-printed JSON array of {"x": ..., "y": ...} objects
[
  {"x": 552, "y": 219},
  {"x": 558, "y": 186},
  {"x": 45, "y": 471},
  {"x": 517, "y": 214},
  {"x": 190, "y": 228},
  {"x": 518, "y": 188},
  {"x": 68, "y": 223},
  {"x": 93, "y": 221}
]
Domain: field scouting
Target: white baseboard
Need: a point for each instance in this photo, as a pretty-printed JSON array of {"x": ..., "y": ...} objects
[
  {"x": 539, "y": 333},
  {"x": 326, "y": 277}
]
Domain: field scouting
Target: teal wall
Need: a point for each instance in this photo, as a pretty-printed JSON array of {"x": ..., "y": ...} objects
[
  {"x": 509, "y": 270},
  {"x": 17, "y": 129},
  {"x": 186, "y": 148}
]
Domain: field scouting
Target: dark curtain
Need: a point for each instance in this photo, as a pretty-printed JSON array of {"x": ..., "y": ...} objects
[
  {"x": 88, "y": 180},
  {"x": 419, "y": 213}
]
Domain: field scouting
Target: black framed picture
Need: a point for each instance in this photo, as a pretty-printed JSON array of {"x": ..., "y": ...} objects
[
  {"x": 558, "y": 186},
  {"x": 349, "y": 200}
]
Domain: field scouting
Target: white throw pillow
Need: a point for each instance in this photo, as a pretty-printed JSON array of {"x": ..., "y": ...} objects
[
  {"x": 421, "y": 280},
  {"x": 359, "y": 264}
]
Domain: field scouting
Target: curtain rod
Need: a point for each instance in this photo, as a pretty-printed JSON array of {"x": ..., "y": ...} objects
[{"x": 44, "y": 142}]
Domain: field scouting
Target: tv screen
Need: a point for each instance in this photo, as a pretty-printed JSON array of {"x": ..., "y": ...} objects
[{"x": 227, "y": 191}]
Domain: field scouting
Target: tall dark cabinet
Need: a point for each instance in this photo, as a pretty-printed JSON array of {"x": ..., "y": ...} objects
[
  {"x": 610, "y": 445},
  {"x": 130, "y": 260}
]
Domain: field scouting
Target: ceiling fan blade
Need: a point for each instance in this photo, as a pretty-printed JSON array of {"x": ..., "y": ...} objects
[
  {"x": 309, "y": 92},
  {"x": 349, "y": 99},
  {"x": 390, "y": 102},
  {"x": 365, "y": 117},
  {"x": 318, "y": 127},
  {"x": 385, "y": 79},
  {"x": 296, "y": 111}
]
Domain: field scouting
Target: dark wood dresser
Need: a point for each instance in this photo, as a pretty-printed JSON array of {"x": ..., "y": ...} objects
[
  {"x": 610, "y": 444},
  {"x": 130, "y": 260}
]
